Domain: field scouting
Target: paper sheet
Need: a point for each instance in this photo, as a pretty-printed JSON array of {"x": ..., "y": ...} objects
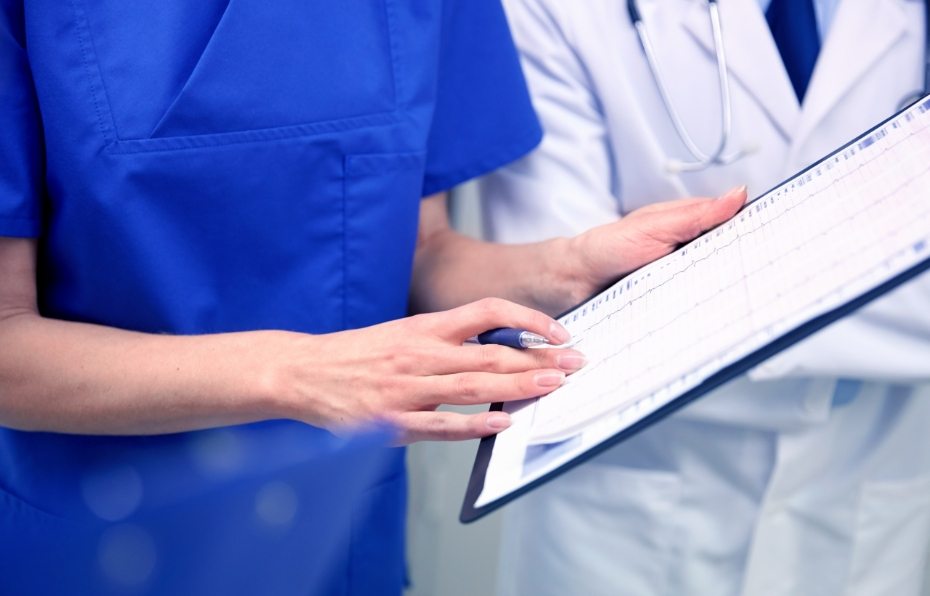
[{"x": 832, "y": 233}]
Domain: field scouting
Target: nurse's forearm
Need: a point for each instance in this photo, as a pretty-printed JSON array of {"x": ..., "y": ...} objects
[
  {"x": 553, "y": 275},
  {"x": 78, "y": 378},
  {"x": 452, "y": 269},
  {"x": 455, "y": 269}
]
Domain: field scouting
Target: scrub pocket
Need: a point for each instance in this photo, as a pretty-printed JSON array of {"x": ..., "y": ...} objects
[
  {"x": 891, "y": 551},
  {"x": 237, "y": 70},
  {"x": 381, "y": 213}
]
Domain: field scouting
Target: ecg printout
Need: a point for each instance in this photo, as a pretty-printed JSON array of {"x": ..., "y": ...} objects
[{"x": 821, "y": 239}]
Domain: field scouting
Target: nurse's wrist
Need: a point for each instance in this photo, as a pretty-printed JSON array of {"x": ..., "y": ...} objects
[
  {"x": 270, "y": 386},
  {"x": 566, "y": 277}
]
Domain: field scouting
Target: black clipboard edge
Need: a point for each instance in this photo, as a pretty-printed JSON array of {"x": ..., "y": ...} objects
[{"x": 470, "y": 513}]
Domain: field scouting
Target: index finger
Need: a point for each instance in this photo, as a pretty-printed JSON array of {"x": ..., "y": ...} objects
[{"x": 459, "y": 324}]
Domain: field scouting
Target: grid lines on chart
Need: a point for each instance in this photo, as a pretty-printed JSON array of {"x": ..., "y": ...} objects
[{"x": 752, "y": 274}]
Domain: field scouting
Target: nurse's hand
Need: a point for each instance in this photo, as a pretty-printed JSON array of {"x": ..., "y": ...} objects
[
  {"x": 605, "y": 253},
  {"x": 402, "y": 371}
]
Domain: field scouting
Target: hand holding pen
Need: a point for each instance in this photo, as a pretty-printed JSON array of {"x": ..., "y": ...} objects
[{"x": 402, "y": 371}]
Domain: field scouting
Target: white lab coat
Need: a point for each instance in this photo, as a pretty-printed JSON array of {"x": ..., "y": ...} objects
[{"x": 769, "y": 486}]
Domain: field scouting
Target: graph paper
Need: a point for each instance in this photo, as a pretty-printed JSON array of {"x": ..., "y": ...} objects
[{"x": 837, "y": 234}]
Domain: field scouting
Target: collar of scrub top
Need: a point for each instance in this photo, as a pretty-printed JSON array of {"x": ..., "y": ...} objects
[{"x": 718, "y": 157}]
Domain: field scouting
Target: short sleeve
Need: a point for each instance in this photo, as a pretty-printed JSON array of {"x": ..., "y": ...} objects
[
  {"x": 483, "y": 117},
  {"x": 20, "y": 130}
]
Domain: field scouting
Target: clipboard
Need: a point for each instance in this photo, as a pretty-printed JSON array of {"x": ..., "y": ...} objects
[{"x": 887, "y": 149}]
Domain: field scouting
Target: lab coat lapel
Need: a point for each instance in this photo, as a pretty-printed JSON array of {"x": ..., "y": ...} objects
[
  {"x": 753, "y": 58},
  {"x": 860, "y": 34}
]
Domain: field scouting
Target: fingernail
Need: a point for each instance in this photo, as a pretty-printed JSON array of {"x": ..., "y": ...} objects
[
  {"x": 498, "y": 421},
  {"x": 571, "y": 361},
  {"x": 549, "y": 379},
  {"x": 559, "y": 334},
  {"x": 735, "y": 191}
]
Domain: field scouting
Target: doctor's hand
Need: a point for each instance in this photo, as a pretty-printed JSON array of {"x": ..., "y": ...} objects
[
  {"x": 402, "y": 371},
  {"x": 603, "y": 254}
]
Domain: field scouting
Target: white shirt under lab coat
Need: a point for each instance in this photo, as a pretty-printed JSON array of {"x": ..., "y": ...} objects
[{"x": 794, "y": 483}]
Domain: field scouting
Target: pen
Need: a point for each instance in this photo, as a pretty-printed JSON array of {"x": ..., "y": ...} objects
[{"x": 514, "y": 338}]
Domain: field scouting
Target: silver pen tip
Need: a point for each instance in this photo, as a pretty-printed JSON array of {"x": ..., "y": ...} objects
[{"x": 531, "y": 340}]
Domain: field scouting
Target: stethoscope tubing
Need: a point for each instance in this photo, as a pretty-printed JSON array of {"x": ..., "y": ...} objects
[{"x": 701, "y": 159}]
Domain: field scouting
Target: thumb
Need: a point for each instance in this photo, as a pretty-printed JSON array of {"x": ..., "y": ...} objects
[
  {"x": 724, "y": 208},
  {"x": 693, "y": 219}
]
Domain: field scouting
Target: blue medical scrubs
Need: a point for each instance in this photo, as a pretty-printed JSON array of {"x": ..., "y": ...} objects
[{"x": 214, "y": 166}]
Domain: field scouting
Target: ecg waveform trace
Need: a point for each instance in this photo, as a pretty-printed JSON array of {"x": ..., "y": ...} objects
[{"x": 812, "y": 242}]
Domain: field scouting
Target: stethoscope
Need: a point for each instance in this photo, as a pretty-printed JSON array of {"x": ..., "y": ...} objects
[{"x": 702, "y": 160}]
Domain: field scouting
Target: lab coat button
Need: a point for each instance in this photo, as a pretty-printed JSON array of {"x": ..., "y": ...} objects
[{"x": 817, "y": 404}]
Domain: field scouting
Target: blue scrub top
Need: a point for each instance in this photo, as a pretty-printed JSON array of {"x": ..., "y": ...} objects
[{"x": 214, "y": 166}]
